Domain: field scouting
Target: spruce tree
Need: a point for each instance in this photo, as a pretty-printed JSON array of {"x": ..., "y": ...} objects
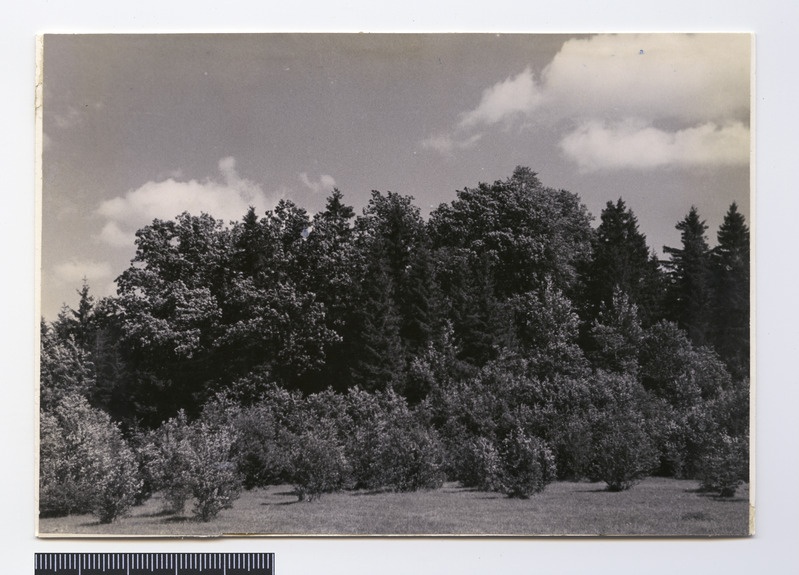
[
  {"x": 730, "y": 313},
  {"x": 621, "y": 261},
  {"x": 689, "y": 291}
]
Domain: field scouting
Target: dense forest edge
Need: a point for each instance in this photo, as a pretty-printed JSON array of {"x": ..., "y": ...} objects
[{"x": 502, "y": 343}]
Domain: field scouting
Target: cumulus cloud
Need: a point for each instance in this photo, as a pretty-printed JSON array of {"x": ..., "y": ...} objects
[
  {"x": 631, "y": 145},
  {"x": 73, "y": 271},
  {"x": 72, "y": 116},
  {"x": 616, "y": 89},
  {"x": 686, "y": 77},
  {"x": 325, "y": 183},
  {"x": 446, "y": 144},
  {"x": 517, "y": 95},
  {"x": 227, "y": 200},
  {"x": 67, "y": 119}
]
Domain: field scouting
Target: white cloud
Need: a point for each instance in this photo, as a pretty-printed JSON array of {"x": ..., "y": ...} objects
[
  {"x": 73, "y": 271},
  {"x": 635, "y": 145},
  {"x": 687, "y": 77},
  {"x": 325, "y": 183},
  {"x": 517, "y": 95},
  {"x": 113, "y": 235},
  {"x": 446, "y": 144},
  {"x": 68, "y": 119},
  {"x": 696, "y": 84},
  {"x": 227, "y": 200},
  {"x": 75, "y": 115}
]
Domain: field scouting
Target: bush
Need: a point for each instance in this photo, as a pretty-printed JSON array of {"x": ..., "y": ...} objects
[
  {"x": 480, "y": 465},
  {"x": 215, "y": 481},
  {"x": 410, "y": 458},
  {"x": 166, "y": 454},
  {"x": 86, "y": 466},
  {"x": 318, "y": 466},
  {"x": 528, "y": 465},
  {"x": 285, "y": 438},
  {"x": 622, "y": 452},
  {"x": 118, "y": 488},
  {"x": 725, "y": 465},
  {"x": 672, "y": 368},
  {"x": 194, "y": 460},
  {"x": 389, "y": 446},
  {"x": 262, "y": 456}
]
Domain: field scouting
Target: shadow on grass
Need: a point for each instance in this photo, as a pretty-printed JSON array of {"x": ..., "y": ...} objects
[
  {"x": 180, "y": 519},
  {"x": 371, "y": 492},
  {"x": 281, "y": 503},
  {"x": 695, "y": 516},
  {"x": 714, "y": 495},
  {"x": 162, "y": 513},
  {"x": 721, "y": 499}
]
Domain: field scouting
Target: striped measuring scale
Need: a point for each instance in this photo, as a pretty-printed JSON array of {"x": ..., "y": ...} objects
[{"x": 154, "y": 563}]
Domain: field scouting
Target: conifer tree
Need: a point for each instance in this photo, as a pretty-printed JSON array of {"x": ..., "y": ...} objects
[
  {"x": 621, "y": 261},
  {"x": 689, "y": 291},
  {"x": 379, "y": 355},
  {"x": 730, "y": 313}
]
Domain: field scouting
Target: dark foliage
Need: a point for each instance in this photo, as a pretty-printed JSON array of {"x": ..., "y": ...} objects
[{"x": 501, "y": 343}]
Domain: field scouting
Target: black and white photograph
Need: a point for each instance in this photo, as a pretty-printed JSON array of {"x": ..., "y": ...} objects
[{"x": 395, "y": 284}]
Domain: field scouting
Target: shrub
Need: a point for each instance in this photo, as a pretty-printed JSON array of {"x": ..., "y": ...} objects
[
  {"x": 215, "y": 483},
  {"x": 167, "y": 453},
  {"x": 66, "y": 369},
  {"x": 86, "y": 465},
  {"x": 262, "y": 457},
  {"x": 194, "y": 460},
  {"x": 318, "y": 466},
  {"x": 571, "y": 442},
  {"x": 672, "y": 368},
  {"x": 725, "y": 465},
  {"x": 622, "y": 451},
  {"x": 118, "y": 488},
  {"x": 62, "y": 489},
  {"x": 389, "y": 446},
  {"x": 480, "y": 465},
  {"x": 528, "y": 465},
  {"x": 410, "y": 458}
]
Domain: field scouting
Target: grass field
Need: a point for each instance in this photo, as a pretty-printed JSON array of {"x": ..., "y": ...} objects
[{"x": 656, "y": 506}]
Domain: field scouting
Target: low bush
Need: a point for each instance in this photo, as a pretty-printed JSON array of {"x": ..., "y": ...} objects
[
  {"x": 389, "y": 446},
  {"x": 166, "y": 453},
  {"x": 623, "y": 453},
  {"x": 318, "y": 466},
  {"x": 118, "y": 487},
  {"x": 725, "y": 465},
  {"x": 86, "y": 464},
  {"x": 480, "y": 465},
  {"x": 216, "y": 483},
  {"x": 528, "y": 465},
  {"x": 194, "y": 461},
  {"x": 261, "y": 451},
  {"x": 411, "y": 458}
]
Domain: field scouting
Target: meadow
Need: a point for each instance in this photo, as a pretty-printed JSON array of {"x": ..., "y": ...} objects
[{"x": 655, "y": 507}]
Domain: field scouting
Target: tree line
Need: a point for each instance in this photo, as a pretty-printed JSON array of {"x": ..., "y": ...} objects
[{"x": 503, "y": 342}]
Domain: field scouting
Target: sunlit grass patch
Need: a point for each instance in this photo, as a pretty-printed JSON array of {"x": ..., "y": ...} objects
[{"x": 656, "y": 506}]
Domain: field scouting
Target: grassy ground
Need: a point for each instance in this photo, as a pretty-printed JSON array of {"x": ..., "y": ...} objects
[{"x": 656, "y": 506}]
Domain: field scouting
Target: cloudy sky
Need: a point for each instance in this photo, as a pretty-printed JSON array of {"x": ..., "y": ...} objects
[{"x": 143, "y": 127}]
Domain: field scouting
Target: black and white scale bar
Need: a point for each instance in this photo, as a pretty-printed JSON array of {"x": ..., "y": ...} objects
[{"x": 154, "y": 563}]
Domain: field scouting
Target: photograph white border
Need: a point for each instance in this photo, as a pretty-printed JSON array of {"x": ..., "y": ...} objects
[{"x": 771, "y": 550}]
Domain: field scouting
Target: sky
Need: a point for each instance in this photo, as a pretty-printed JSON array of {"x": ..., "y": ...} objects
[{"x": 137, "y": 127}]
